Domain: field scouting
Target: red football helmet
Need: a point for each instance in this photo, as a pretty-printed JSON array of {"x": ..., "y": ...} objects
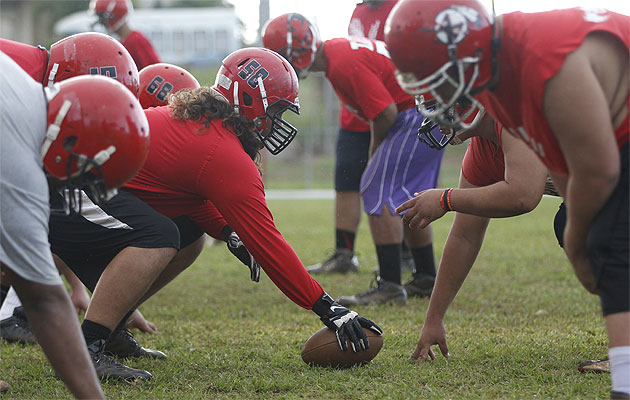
[
  {"x": 157, "y": 81},
  {"x": 254, "y": 80},
  {"x": 91, "y": 53},
  {"x": 111, "y": 13},
  {"x": 442, "y": 49},
  {"x": 97, "y": 137},
  {"x": 294, "y": 37}
]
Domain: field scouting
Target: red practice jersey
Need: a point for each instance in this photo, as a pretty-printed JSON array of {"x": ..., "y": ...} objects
[
  {"x": 362, "y": 74},
  {"x": 31, "y": 59},
  {"x": 206, "y": 175},
  {"x": 484, "y": 163},
  {"x": 366, "y": 22},
  {"x": 533, "y": 49},
  {"x": 141, "y": 50}
]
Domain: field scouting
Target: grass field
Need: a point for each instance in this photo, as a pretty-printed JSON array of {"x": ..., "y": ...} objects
[{"x": 518, "y": 328}]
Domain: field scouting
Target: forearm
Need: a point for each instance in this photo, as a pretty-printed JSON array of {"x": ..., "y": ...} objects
[
  {"x": 496, "y": 201},
  {"x": 378, "y": 134},
  {"x": 380, "y": 126},
  {"x": 62, "y": 267},
  {"x": 459, "y": 254}
]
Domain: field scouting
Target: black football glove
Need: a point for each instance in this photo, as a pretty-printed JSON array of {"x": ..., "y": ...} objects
[
  {"x": 236, "y": 247},
  {"x": 345, "y": 323}
]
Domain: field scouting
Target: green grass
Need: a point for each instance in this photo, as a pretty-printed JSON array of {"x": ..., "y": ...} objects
[{"x": 517, "y": 330}]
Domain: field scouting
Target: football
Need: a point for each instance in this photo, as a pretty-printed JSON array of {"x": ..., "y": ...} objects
[{"x": 322, "y": 350}]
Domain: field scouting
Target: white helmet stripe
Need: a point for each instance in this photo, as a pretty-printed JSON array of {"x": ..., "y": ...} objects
[{"x": 289, "y": 37}]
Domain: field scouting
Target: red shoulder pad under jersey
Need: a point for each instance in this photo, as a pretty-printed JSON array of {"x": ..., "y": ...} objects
[
  {"x": 363, "y": 77},
  {"x": 534, "y": 46},
  {"x": 31, "y": 59},
  {"x": 141, "y": 50},
  {"x": 484, "y": 162},
  {"x": 189, "y": 165}
]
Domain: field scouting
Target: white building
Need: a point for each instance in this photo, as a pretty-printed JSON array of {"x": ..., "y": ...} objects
[{"x": 181, "y": 36}]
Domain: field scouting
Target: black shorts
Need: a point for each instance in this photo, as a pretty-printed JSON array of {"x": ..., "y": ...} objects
[
  {"x": 608, "y": 246},
  {"x": 351, "y": 159},
  {"x": 88, "y": 242}
]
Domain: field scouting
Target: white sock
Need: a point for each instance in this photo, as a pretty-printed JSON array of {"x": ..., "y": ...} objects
[
  {"x": 620, "y": 368},
  {"x": 10, "y": 302}
]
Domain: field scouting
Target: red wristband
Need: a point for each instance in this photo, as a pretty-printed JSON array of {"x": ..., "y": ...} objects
[
  {"x": 448, "y": 200},
  {"x": 443, "y": 200}
]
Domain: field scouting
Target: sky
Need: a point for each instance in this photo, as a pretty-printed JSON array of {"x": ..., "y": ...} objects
[{"x": 332, "y": 16}]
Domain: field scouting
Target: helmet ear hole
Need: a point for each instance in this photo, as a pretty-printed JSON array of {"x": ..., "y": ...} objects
[
  {"x": 247, "y": 99},
  {"x": 258, "y": 123},
  {"x": 69, "y": 143}
]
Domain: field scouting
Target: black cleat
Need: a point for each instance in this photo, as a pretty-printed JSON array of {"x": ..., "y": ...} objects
[
  {"x": 122, "y": 344},
  {"x": 16, "y": 329},
  {"x": 107, "y": 368},
  {"x": 342, "y": 261},
  {"x": 421, "y": 285}
]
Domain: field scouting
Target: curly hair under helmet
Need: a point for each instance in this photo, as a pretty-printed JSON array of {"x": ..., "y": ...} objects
[{"x": 202, "y": 105}]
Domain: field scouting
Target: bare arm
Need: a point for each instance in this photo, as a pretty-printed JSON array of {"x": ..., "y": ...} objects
[
  {"x": 579, "y": 117},
  {"x": 380, "y": 126},
  {"x": 519, "y": 192},
  {"x": 460, "y": 251}
]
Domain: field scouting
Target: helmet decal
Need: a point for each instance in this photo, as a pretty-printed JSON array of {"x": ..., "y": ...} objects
[
  {"x": 158, "y": 81},
  {"x": 109, "y": 72},
  {"x": 252, "y": 72},
  {"x": 224, "y": 81},
  {"x": 450, "y": 26}
]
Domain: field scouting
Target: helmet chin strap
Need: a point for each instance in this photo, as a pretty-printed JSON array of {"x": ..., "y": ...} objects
[
  {"x": 263, "y": 93},
  {"x": 53, "y": 129},
  {"x": 236, "y": 97},
  {"x": 52, "y": 74},
  {"x": 102, "y": 156}
]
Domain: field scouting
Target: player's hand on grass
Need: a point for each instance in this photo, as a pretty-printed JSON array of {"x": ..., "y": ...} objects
[
  {"x": 137, "y": 321},
  {"x": 347, "y": 324},
  {"x": 80, "y": 299},
  {"x": 238, "y": 249},
  {"x": 431, "y": 334},
  {"x": 423, "y": 209}
]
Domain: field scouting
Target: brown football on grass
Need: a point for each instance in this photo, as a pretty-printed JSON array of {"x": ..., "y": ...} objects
[{"x": 322, "y": 350}]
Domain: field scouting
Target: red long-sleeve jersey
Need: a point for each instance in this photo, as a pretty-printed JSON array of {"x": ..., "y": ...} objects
[
  {"x": 32, "y": 59},
  {"x": 206, "y": 175}
]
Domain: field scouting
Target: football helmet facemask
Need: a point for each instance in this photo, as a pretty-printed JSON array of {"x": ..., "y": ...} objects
[
  {"x": 295, "y": 38},
  {"x": 158, "y": 81},
  {"x": 261, "y": 85},
  {"x": 91, "y": 53},
  {"x": 97, "y": 137},
  {"x": 443, "y": 49}
]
